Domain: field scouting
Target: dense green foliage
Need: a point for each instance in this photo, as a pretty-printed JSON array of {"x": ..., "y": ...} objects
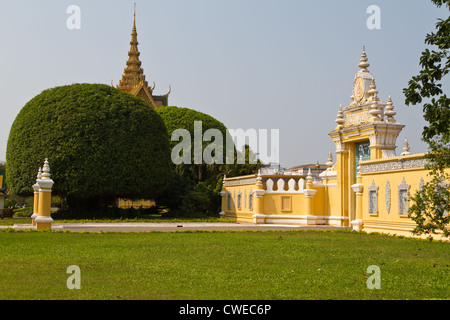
[
  {"x": 431, "y": 204},
  {"x": 101, "y": 143},
  {"x": 198, "y": 186}
]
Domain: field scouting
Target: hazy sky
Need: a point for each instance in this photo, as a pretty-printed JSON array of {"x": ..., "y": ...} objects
[{"x": 260, "y": 64}]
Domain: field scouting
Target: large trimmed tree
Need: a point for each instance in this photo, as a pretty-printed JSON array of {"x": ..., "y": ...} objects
[
  {"x": 199, "y": 184},
  {"x": 101, "y": 143}
]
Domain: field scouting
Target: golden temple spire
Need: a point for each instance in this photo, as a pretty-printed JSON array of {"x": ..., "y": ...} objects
[
  {"x": 133, "y": 78},
  {"x": 133, "y": 74}
]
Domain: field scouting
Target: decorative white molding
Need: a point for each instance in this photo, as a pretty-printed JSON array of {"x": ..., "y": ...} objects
[
  {"x": 328, "y": 174},
  {"x": 259, "y": 193},
  {"x": 281, "y": 184},
  {"x": 341, "y": 147},
  {"x": 358, "y": 118},
  {"x": 373, "y": 198},
  {"x": 403, "y": 198},
  {"x": 309, "y": 193},
  {"x": 44, "y": 219},
  {"x": 387, "y": 197},
  {"x": 236, "y": 182},
  {"x": 357, "y": 224},
  {"x": 298, "y": 219},
  {"x": 358, "y": 188},
  {"x": 401, "y": 163}
]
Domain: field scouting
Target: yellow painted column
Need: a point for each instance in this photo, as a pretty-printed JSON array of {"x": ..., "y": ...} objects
[
  {"x": 258, "y": 201},
  {"x": 340, "y": 207},
  {"x": 36, "y": 198},
  {"x": 309, "y": 195},
  {"x": 358, "y": 188},
  {"x": 44, "y": 219}
]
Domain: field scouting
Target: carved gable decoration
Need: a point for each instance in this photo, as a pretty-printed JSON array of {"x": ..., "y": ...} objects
[
  {"x": 373, "y": 198},
  {"x": 387, "y": 197}
]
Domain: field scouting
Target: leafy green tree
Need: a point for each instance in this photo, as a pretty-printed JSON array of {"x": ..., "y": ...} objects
[
  {"x": 199, "y": 185},
  {"x": 101, "y": 143},
  {"x": 185, "y": 118},
  {"x": 431, "y": 204},
  {"x": 196, "y": 186}
]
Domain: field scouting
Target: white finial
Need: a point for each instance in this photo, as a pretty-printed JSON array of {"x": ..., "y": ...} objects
[
  {"x": 375, "y": 111},
  {"x": 46, "y": 170},
  {"x": 373, "y": 89},
  {"x": 406, "y": 150},
  {"x": 389, "y": 111},
  {"x": 330, "y": 162},
  {"x": 259, "y": 177},
  {"x": 340, "y": 118},
  {"x": 309, "y": 178},
  {"x": 364, "y": 64}
]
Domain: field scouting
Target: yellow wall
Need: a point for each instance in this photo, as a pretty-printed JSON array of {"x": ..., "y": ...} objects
[
  {"x": 295, "y": 211},
  {"x": 335, "y": 201},
  {"x": 391, "y": 220}
]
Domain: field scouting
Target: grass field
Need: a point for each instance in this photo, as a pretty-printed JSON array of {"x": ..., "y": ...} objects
[{"x": 221, "y": 265}]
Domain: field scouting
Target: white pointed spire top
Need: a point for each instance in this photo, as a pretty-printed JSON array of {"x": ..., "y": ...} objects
[
  {"x": 340, "y": 118},
  {"x": 46, "y": 170},
  {"x": 330, "y": 162},
  {"x": 374, "y": 111},
  {"x": 406, "y": 149},
  {"x": 259, "y": 177},
  {"x": 389, "y": 111},
  {"x": 373, "y": 89},
  {"x": 364, "y": 64},
  {"x": 309, "y": 177}
]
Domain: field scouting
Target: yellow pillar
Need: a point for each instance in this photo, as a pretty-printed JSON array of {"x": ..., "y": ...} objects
[
  {"x": 44, "y": 219},
  {"x": 258, "y": 202},
  {"x": 36, "y": 199},
  {"x": 309, "y": 195},
  {"x": 358, "y": 189}
]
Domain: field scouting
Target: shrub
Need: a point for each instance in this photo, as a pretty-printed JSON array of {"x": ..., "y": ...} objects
[{"x": 101, "y": 143}]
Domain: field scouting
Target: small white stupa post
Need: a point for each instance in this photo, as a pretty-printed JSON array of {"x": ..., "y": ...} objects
[
  {"x": 36, "y": 198},
  {"x": 44, "y": 219}
]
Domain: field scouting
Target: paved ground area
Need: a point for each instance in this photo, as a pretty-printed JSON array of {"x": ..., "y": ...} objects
[{"x": 143, "y": 227}]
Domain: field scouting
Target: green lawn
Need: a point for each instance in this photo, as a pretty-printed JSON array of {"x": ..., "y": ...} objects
[{"x": 221, "y": 265}]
